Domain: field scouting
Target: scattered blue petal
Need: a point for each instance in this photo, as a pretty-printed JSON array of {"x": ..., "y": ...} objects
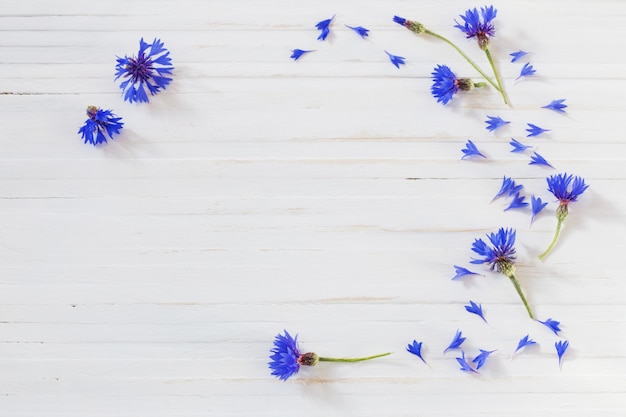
[
  {"x": 474, "y": 26},
  {"x": 518, "y": 146},
  {"x": 396, "y": 60},
  {"x": 518, "y": 55},
  {"x": 556, "y": 105},
  {"x": 552, "y": 325},
  {"x": 534, "y": 130},
  {"x": 360, "y": 30},
  {"x": 527, "y": 71},
  {"x": 471, "y": 150},
  {"x": 456, "y": 342},
  {"x": 494, "y": 122},
  {"x": 297, "y": 53},
  {"x": 507, "y": 188},
  {"x": 324, "y": 27},
  {"x": 461, "y": 272},
  {"x": 285, "y": 354},
  {"x": 501, "y": 255},
  {"x": 536, "y": 205},
  {"x": 561, "y": 346},
  {"x": 464, "y": 365},
  {"x": 524, "y": 341},
  {"x": 416, "y": 349},
  {"x": 537, "y": 159},
  {"x": 475, "y": 309},
  {"x": 100, "y": 122},
  {"x": 445, "y": 84},
  {"x": 482, "y": 358},
  {"x": 517, "y": 202},
  {"x": 559, "y": 186}
]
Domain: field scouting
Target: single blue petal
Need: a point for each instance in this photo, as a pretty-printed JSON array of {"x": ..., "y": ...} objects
[
  {"x": 517, "y": 55},
  {"x": 556, "y": 105},
  {"x": 464, "y": 365},
  {"x": 552, "y": 325},
  {"x": 297, "y": 53},
  {"x": 416, "y": 349},
  {"x": 504, "y": 188},
  {"x": 360, "y": 30},
  {"x": 537, "y": 159},
  {"x": 475, "y": 309},
  {"x": 461, "y": 272},
  {"x": 536, "y": 205},
  {"x": 517, "y": 202},
  {"x": 518, "y": 146},
  {"x": 527, "y": 71},
  {"x": 324, "y": 27},
  {"x": 457, "y": 341},
  {"x": 471, "y": 150},
  {"x": 534, "y": 130},
  {"x": 481, "y": 358},
  {"x": 494, "y": 122},
  {"x": 395, "y": 59},
  {"x": 524, "y": 341},
  {"x": 561, "y": 346}
]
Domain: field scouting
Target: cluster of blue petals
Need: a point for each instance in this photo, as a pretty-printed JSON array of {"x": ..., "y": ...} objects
[
  {"x": 100, "y": 122},
  {"x": 284, "y": 359},
  {"x": 502, "y": 249},
  {"x": 445, "y": 84}
]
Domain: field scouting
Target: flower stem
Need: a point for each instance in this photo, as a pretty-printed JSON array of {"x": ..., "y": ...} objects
[
  {"x": 554, "y": 239},
  {"x": 518, "y": 288},
  {"x": 497, "y": 74},
  {"x": 485, "y": 76},
  {"x": 322, "y": 359}
]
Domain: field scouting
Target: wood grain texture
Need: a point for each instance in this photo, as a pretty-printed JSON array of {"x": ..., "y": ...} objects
[{"x": 327, "y": 196}]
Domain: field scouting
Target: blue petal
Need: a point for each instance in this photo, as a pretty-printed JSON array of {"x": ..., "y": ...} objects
[
  {"x": 561, "y": 347},
  {"x": 461, "y": 272},
  {"x": 416, "y": 349},
  {"x": 494, "y": 122},
  {"x": 457, "y": 341},
  {"x": 517, "y": 55},
  {"x": 534, "y": 130},
  {"x": 524, "y": 341},
  {"x": 517, "y": 202},
  {"x": 556, "y": 105},
  {"x": 395, "y": 59},
  {"x": 464, "y": 365},
  {"x": 552, "y": 325},
  {"x": 297, "y": 53},
  {"x": 536, "y": 205},
  {"x": 482, "y": 358},
  {"x": 537, "y": 159},
  {"x": 527, "y": 71},
  {"x": 475, "y": 309},
  {"x": 471, "y": 150},
  {"x": 518, "y": 146},
  {"x": 360, "y": 30}
]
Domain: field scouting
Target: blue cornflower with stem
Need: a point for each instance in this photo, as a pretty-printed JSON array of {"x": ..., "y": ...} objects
[
  {"x": 419, "y": 28},
  {"x": 537, "y": 159},
  {"x": 536, "y": 206},
  {"x": 98, "y": 123},
  {"x": 494, "y": 122},
  {"x": 286, "y": 357},
  {"x": 471, "y": 150},
  {"x": 461, "y": 272},
  {"x": 416, "y": 349},
  {"x": 567, "y": 189},
  {"x": 475, "y": 309},
  {"x": 396, "y": 59},
  {"x": 518, "y": 146},
  {"x": 296, "y": 54},
  {"x": 150, "y": 70},
  {"x": 500, "y": 256},
  {"x": 456, "y": 342},
  {"x": 556, "y": 105},
  {"x": 446, "y": 84}
]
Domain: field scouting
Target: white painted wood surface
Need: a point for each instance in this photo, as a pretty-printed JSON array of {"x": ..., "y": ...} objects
[{"x": 148, "y": 277}]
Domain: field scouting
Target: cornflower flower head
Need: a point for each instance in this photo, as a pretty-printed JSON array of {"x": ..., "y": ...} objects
[
  {"x": 416, "y": 349},
  {"x": 461, "y": 272},
  {"x": 324, "y": 27},
  {"x": 527, "y": 71},
  {"x": 150, "y": 70},
  {"x": 518, "y": 146},
  {"x": 98, "y": 123},
  {"x": 456, "y": 342},
  {"x": 396, "y": 60},
  {"x": 552, "y": 325},
  {"x": 534, "y": 130},
  {"x": 556, "y": 105},
  {"x": 446, "y": 84},
  {"x": 481, "y": 358},
  {"x": 517, "y": 202},
  {"x": 475, "y": 309},
  {"x": 471, "y": 150},
  {"x": 524, "y": 341},
  {"x": 500, "y": 256},
  {"x": 561, "y": 346},
  {"x": 286, "y": 357},
  {"x": 478, "y": 25},
  {"x": 536, "y": 206},
  {"x": 537, "y": 159},
  {"x": 518, "y": 55},
  {"x": 494, "y": 122},
  {"x": 360, "y": 30},
  {"x": 566, "y": 188},
  {"x": 465, "y": 366},
  {"x": 296, "y": 54}
]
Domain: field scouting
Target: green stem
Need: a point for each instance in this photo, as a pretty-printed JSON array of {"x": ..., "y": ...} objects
[
  {"x": 554, "y": 239},
  {"x": 518, "y": 288},
  {"x": 485, "y": 76},
  {"x": 497, "y": 74},
  {"x": 353, "y": 359}
]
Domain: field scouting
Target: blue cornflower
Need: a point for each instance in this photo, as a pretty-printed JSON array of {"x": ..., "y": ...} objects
[
  {"x": 324, "y": 27},
  {"x": 552, "y": 325},
  {"x": 508, "y": 188},
  {"x": 416, "y": 349},
  {"x": 494, "y": 122},
  {"x": 396, "y": 60},
  {"x": 566, "y": 188},
  {"x": 445, "y": 84},
  {"x": 475, "y": 309},
  {"x": 464, "y": 365},
  {"x": 556, "y": 105},
  {"x": 457, "y": 341},
  {"x": 297, "y": 53},
  {"x": 517, "y": 55},
  {"x": 517, "y": 202},
  {"x": 360, "y": 30},
  {"x": 536, "y": 205},
  {"x": 481, "y": 358},
  {"x": 147, "y": 70},
  {"x": 461, "y": 272},
  {"x": 100, "y": 122},
  {"x": 518, "y": 146},
  {"x": 471, "y": 150},
  {"x": 524, "y": 341},
  {"x": 501, "y": 258},
  {"x": 537, "y": 159},
  {"x": 561, "y": 347},
  {"x": 474, "y": 26},
  {"x": 527, "y": 71},
  {"x": 534, "y": 130}
]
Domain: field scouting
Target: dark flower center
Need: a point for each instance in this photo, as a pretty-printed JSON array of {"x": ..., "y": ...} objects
[{"x": 140, "y": 68}]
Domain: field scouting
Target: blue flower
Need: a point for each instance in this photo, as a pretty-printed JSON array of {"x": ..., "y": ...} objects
[
  {"x": 461, "y": 272},
  {"x": 559, "y": 186},
  {"x": 518, "y": 146},
  {"x": 494, "y": 122},
  {"x": 561, "y": 347},
  {"x": 285, "y": 356},
  {"x": 534, "y": 130},
  {"x": 501, "y": 254},
  {"x": 517, "y": 202},
  {"x": 324, "y": 27},
  {"x": 482, "y": 358},
  {"x": 148, "y": 70},
  {"x": 475, "y": 309},
  {"x": 416, "y": 349},
  {"x": 471, "y": 150},
  {"x": 456, "y": 342},
  {"x": 552, "y": 325},
  {"x": 508, "y": 188},
  {"x": 474, "y": 26},
  {"x": 527, "y": 71},
  {"x": 297, "y": 53},
  {"x": 445, "y": 84},
  {"x": 360, "y": 30},
  {"x": 100, "y": 122},
  {"x": 464, "y": 365},
  {"x": 536, "y": 205},
  {"x": 524, "y": 341},
  {"x": 396, "y": 60},
  {"x": 556, "y": 105},
  {"x": 517, "y": 55},
  {"x": 537, "y": 159}
]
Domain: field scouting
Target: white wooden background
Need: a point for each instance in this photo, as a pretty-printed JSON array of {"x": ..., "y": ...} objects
[{"x": 148, "y": 277}]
